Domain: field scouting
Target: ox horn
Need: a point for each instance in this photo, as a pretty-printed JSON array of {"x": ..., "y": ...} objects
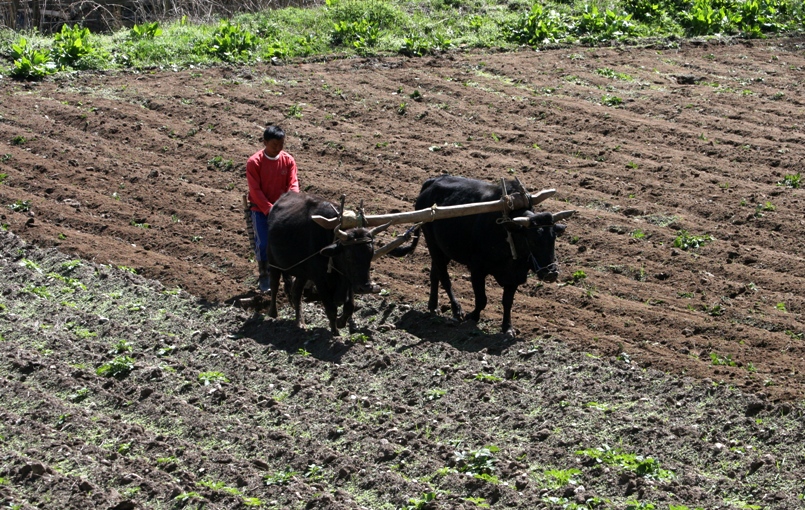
[
  {"x": 563, "y": 215},
  {"x": 341, "y": 235},
  {"x": 328, "y": 223},
  {"x": 379, "y": 229},
  {"x": 522, "y": 221}
]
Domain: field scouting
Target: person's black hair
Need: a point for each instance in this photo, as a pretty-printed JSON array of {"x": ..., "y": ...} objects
[{"x": 273, "y": 133}]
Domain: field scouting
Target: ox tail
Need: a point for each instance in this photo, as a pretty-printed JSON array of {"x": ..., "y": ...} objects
[{"x": 402, "y": 251}]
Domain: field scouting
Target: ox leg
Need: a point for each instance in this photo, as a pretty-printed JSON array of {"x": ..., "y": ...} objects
[
  {"x": 274, "y": 275},
  {"x": 439, "y": 274},
  {"x": 479, "y": 289},
  {"x": 348, "y": 309},
  {"x": 296, "y": 300},
  {"x": 508, "y": 301}
]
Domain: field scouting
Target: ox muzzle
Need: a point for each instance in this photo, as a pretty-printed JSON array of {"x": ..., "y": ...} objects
[{"x": 549, "y": 273}]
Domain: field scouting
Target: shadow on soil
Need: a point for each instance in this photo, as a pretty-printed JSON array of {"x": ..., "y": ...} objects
[{"x": 464, "y": 336}]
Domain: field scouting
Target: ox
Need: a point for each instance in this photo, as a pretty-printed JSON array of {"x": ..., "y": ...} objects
[
  {"x": 487, "y": 243},
  {"x": 337, "y": 264}
]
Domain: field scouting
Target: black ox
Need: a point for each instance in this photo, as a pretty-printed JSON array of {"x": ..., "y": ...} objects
[
  {"x": 336, "y": 261},
  {"x": 486, "y": 243}
]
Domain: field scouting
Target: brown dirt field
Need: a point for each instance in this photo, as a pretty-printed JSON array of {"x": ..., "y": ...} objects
[{"x": 105, "y": 151}]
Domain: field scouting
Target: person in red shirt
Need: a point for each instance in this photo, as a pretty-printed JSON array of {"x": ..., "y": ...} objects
[{"x": 270, "y": 172}]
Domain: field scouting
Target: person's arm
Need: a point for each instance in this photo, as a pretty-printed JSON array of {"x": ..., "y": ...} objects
[
  {"x": 256, "y": 195},
  {"x": 293, "y": 180}
]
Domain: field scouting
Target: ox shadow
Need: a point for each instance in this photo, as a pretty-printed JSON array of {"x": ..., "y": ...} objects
[
  {"x": 464, "y": 335},
  {"x": 283, "y": 335}
]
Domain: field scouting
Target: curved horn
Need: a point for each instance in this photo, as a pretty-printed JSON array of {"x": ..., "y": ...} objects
[
  {"x": 522, "y": 221},
  {"x": 563, "y": 215},
  {"x": 341, "y": 235},
  {"x": 387, "y": 248},
  {"x": 379, "y": 229},
  {"x": 328, "y": 223},
  {"x": 542, "y": 196}
]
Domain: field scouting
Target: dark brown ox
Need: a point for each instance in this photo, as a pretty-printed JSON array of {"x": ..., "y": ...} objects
[
  {"x": 488, "y": 244},
  {"x": 336, "y": 261}
]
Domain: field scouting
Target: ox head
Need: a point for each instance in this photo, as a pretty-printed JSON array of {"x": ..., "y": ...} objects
[
  {"x": 353, "y": 252},
  {"x": 541, "y": 231}
]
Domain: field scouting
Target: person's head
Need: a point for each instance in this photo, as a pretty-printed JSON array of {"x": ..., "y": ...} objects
[{"x": 274, "y": 140}]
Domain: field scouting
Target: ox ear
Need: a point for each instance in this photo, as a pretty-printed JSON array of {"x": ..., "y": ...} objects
[{"x": 331, "y": 250}]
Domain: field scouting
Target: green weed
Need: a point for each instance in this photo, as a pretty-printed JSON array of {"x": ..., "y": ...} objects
[
  {"x": 71, "y": 46},
  {"x": 20, "y": 206},
  {"x": 687, "y": 241},
  {"x": 280, "y": 477},
  {"x": 642, "y": 466},
  {"x": 791, "y": 180},
  {"x": 717, "y": 360},
  {"x": 145, "y": 31},
  {"x": 119, "y": 367},
  {"x": 207, "y": 378},
  {"x": 29, "y": 63}
]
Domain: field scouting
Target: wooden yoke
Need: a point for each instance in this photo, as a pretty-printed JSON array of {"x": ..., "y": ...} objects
[{"x": 512, "y": 202}]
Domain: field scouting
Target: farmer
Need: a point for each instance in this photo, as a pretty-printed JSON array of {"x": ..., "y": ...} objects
[{"x": 270, "y": 172}]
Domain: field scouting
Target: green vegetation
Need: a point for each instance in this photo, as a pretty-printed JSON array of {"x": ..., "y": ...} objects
[
  {"x": 642, "y": 466},
  {"x": 119, "y": 367},
  {"x": 20, "y": 206},
  {"x": 791, "y": 180},
  {"x": 686, "y": 241},
  {"x": 369, "y": 27},
  {"x": 207, "y": 378}
]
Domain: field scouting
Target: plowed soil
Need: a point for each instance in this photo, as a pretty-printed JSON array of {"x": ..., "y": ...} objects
[{"x": 665, "y": 349}]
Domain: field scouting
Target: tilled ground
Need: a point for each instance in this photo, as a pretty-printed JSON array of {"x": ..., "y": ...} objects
[
  {"x": 145, "y": 171},
  {"x": 215, "y": 406}
]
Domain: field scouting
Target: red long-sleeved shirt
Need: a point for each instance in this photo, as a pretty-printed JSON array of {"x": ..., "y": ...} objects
[{"x": 269, "y": 179}]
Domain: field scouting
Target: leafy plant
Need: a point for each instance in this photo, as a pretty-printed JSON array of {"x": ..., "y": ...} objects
[
  {"x": 686, "y": 241},
  {"x": 30, "y": 265},
  {"x": 704, "y": 19},
  {"x": 119, "y": 367},
  {"x": 232, "y": 42},
  {"x": 70, "y": 45},
  {"x": 596, "y": 26},
  {"x": 642, "y": 466},
  {"x": 578, "y": 276},
  {"x": 561, "y": 477},
  {"x": 295, "y": 111},
  {"x": 610, "y": 100},
  {"x": 207, "y": 378},
  {"x": 717, "y": 359},
  {"x": 477, "y": 462},
  {"x": 79, "y": 396},
  {"x": 29, "y": 63},
  {"x": 139, "y": 224},
  {"x": 280, "y": 477},
  {"x": 489, "y": 378},
  {"x": 416, "y": 45},
  {"x": 791, "y": 180},
  {"x": 218, "y": 162},
  {"x": 18, "y": 140},
  {"x": 314, "y": 472},
  {"x": 145, "y": 31},
  {"x": 538, "y": 27},
  {"x": 420, "y": 503},
  {"x": 120, "y": 347}
]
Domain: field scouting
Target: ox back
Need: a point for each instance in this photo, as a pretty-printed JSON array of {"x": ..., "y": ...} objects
[
  {"x": 481, "y": 242},
  {"x": 299, "y": 247}
]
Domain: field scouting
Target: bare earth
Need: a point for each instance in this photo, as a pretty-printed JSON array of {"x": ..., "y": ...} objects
[{"x": 701, "y": 142}]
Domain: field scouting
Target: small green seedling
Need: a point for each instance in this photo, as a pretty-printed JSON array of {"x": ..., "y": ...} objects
[{"x": 207, "y": 378}]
